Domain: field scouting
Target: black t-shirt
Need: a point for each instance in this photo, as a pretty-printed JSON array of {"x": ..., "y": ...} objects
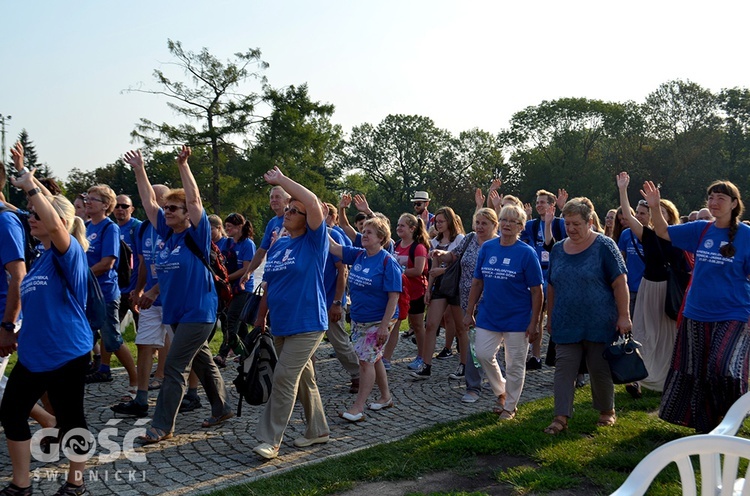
[{"x": 655, "y": 250}]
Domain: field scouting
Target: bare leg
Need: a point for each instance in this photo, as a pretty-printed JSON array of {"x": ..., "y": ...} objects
[
  {"x": 381, "y": 378},
  {"x": 126, "y": 359},
  {"x": 450, "y": 329},
  {"x": 434, "y": 316},
  {"x": 20, "y": 457},
  {"x": 42, "y": 416},
  {"x": 416, "y": 321},
  {"x": 390, "y": 346},
  {"x": 366, "y": 381}
]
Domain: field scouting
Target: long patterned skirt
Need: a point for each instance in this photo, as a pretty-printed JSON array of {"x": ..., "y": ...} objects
[{"x": 709, "y": 372}]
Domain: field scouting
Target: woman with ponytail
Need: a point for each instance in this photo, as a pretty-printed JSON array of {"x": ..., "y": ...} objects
[
  {"x": 411, "y": 253},
  {"x": 55, "y": 339},
  {"x": 709, "y": 369},
  {"x": 238, "y": 250}
]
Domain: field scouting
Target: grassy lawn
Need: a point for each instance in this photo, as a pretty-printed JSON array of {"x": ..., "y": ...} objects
[{"x": 596, "y": 460}]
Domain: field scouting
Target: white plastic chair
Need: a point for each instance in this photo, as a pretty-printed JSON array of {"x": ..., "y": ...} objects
[
  {"x": 735, "y": 417},
  {"x": 715, "y": 479}
]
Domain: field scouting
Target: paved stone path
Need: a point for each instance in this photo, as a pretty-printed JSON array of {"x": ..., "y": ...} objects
[{"x": 199, "y": 460}]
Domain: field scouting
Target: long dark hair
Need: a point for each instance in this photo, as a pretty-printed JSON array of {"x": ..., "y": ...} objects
[
  {"x": 239, "y": 220},
  {"x": 729, "y": 189},
  {"x": 454, "y": 223}
]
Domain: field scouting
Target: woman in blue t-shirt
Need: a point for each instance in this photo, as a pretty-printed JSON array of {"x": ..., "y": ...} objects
[
  {"x": 188, "y": 296},
  {"x": 55, "y": 337},
  {"x": 709, "y": 368},
  {"x": 299, "y": 317},
  {"x": 374, "y": 288},
  {"x": 238, "y": 250},
  {"x": 508, "y": 279}
]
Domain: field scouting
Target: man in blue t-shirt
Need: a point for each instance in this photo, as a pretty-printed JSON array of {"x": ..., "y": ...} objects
[
  {"x": 128, "y": 229},
  {"x": 534, "y": 234},
  {"x": 277, "y": 200},
  {"x": 12, "y": 260}
]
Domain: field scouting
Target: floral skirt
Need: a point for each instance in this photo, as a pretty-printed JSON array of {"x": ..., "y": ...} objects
[
  {"x": 365, "y": 340},
  {"x": 709, "y": 373}
]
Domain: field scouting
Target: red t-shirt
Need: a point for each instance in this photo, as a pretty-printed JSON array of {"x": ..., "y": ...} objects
[{"x": 417, "y": 285}]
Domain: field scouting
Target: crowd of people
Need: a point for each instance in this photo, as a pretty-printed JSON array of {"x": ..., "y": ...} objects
[{"x": 588, "y": 282}]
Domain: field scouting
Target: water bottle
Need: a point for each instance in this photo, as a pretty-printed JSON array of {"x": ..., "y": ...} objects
[{"x": 472, "y": 339}]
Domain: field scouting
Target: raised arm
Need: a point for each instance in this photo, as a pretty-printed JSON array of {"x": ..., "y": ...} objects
[
  {"x": 651, "y": 194},
  {"x": 192, "y": 194},
  {"x": 478, "y": 199},
  {"x": 334, "y": 248},
  {"x": 58, "y": 232},
  {"x": 623, "y": 180},
  {"x": 315, "y": 215},
  {"x": 145, "y": 191},
  {"x": 16, "y": 153},
  {"x": 346, "y": 200},
  {"x": 494, "y": 188},
  {"x": 360, "y": 202}
]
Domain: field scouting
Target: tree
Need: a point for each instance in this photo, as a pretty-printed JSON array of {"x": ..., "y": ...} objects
[{"x": 212, "y": 98}]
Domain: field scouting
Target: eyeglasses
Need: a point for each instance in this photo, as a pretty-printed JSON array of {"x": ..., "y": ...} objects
[
  {"x": 510, "y": 221},
  {"x": 91, "y": 198},
  {"x": 295, "y": 210},
  {"x": 123, "y": 206},
  {"x": 174, "y": 208}
]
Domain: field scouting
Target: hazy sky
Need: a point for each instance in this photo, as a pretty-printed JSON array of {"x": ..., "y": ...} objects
[{"x": 464, "y": 64}]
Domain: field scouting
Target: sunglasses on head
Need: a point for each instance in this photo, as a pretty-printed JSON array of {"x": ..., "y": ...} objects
[
  {"x": 174, "y": 208},
  {"x": 123, "y": 206},
  {"x": 295, "y": 210}
]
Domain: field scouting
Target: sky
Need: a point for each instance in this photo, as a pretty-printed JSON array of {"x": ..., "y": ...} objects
[{"x": 464, "y": 64}]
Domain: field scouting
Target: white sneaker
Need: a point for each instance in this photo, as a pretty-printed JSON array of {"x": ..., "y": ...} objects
[
  {"x": 266, "y": 451},
  {"x": 470, "y": 397}
]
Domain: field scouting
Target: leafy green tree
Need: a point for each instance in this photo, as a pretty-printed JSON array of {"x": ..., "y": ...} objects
[{"x": 211, "y": 98}]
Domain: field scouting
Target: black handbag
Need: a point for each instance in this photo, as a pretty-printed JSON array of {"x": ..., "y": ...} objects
[
  {"x": 677, "y": 283},
  {"x": 250, "y": 309},
  {"x": 451, "y": 278},
  {"x": 625, "y": 361}
]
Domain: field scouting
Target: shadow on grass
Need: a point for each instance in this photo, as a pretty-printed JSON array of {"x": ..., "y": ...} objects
[{"x": 586, "y": 456}]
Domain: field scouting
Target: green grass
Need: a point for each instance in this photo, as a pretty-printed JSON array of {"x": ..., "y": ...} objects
[{"x": 585, "y": 455}]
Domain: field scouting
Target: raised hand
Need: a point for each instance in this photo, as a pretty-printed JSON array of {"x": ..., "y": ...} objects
[
  {"x": 16, "y": 152},
  {"x": 479, "y": 198},
  {"x": 24, "y": 181},
  {"x": 134, "y": 158},
  {"x": 623, "y": 180},
  {"x": 496, "y": 199},
  {"x": 495, "y": 184},
  {"x": 549, "y": 215},
  {"x": 360, "y": 202},
  {"x": 562, "y": 198},
  {"x": 273, "y": 176},
  {"x": 345, "y": 201},
  {"x": 650, "y": 193},
  {"x": 527, "y": 208},
  {"x": 184, "y": 153}
]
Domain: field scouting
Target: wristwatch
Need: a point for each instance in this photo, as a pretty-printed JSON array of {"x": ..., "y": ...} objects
[
  {"x": 337, "y": 302},
  {"x": 8, "y": 326}
]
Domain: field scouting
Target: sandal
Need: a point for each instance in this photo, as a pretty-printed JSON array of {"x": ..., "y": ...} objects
[
  {"x": 129, "y": 395},
  {"x": 607, "y": 419},
  {"x": 556, "y": 427},
  {"x": 155, "y": 383},
  {"x": 154, "y": 435},
  {"x": 212, "y": 421},
  {"x": 505, "y": 414}
]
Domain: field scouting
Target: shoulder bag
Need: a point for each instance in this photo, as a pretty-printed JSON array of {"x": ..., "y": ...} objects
[{"x": 449, "y": 283}]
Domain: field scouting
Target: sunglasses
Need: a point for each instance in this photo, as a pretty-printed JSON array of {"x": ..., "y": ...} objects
[
  {"x": 34, "y": 214},
  {"x": 174, "y": 208},
  {"x": 294, "y": 210},
  {"x": 643, "y": 203},
  {"x": 123, "y": 206},
  {"x": 418, "y": 204}
]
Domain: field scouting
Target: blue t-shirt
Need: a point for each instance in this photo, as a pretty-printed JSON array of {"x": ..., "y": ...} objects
[
  {"x": 344, "y": 237},
  {"x": 536, "y": 239},
  {"x": 12, "y": 242},
  {"x": 330, "y": 274},
  {"x": 584, "y": 306},
  {"x": 294, "y": 273},
  {"x": 149, "y": 244},
  {"x": 720, "y": 290},
  {"x": 274, "y": 226},
  {"x": 244, "y": 251},
  {"x": 104, "y": 241},
  {"x": 55, "y": 329},
  {"x": 633, "y": 261},
  {"x": 186, "y": 285},
  {"x": 507, "y": 272},
  {"x": 371, "y": 278},
  {"x": 128, "y": 233}
]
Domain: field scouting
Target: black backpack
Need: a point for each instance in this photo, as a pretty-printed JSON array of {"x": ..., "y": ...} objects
[
  {"x": 255, "y": 372},
  {"x": 30, "y": 251},
  {"x": 124, "y": 261}
]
